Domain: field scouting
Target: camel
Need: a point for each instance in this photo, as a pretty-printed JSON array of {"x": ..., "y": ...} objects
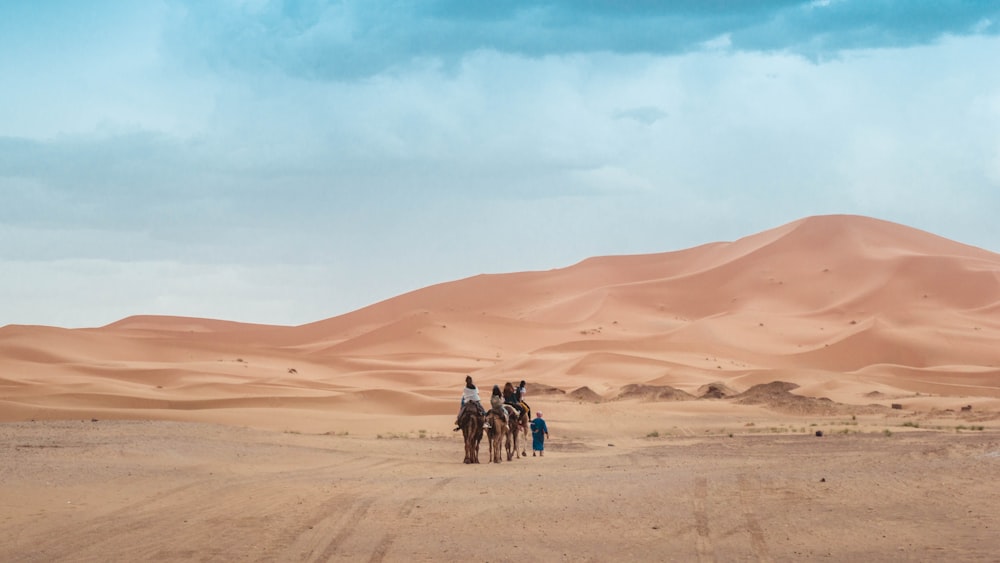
[
  {"x": 510, "y": 438},
  {"x": 471, "y": 422},
  {"x": 519, "y": 432},
  {"x": 498, "y": 430},
  {"x": 517, "y": 422}
]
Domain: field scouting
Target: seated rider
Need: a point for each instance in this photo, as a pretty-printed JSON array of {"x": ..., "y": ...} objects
[
  {"x": 496, "y": 402},
  {"x": 510, "y": 398},
  {"x": 469, "y": 393},
  {"x": 521, "y": 390}
]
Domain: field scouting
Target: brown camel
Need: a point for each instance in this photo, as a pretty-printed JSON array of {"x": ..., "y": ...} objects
[
  {"x": 510, "y": 438},
  {"x": 519, "y": 431},
  {"x": 496, "y": 433},
  {"x": 518, "y": 423},
  {"x": 471, "y": 422}
]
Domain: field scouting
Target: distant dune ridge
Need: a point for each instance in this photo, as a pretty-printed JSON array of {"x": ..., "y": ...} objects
[{"x": 849, "y": 308}]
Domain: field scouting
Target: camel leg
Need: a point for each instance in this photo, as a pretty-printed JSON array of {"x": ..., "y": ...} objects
[{"x": 498, "y": 446}]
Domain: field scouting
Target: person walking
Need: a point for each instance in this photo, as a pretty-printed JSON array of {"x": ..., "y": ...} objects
[{"x": 539, "y": 432}]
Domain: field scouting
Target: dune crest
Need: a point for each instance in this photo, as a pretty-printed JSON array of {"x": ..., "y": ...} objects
[{"x": 857, "y": 304}]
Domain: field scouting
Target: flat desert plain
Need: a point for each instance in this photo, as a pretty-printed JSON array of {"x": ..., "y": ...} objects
[{"x": 685, "y": 394}]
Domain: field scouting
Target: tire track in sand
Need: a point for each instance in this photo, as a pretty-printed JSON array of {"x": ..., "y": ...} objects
[
  {"x": 137, "y": 520},
  {"x": 303, "y": 544},
  {"x": 404, "y": 512},
  {"x": 749, "y": 489},
  {"x": 348, "y": 524},
  {"x": 703, "y": 541}
]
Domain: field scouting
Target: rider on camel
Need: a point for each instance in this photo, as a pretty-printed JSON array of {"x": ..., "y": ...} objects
[
  {"x": 496, "y": 401},
  {"x": 510, "y": 397},
  {"x": 520, "y": 391},
  {"x": 470, "y": 393}
]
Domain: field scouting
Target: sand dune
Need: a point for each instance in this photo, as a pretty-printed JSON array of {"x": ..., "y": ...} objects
[
  {"x": 829, "y": 389},
  {"x": 858, "y": 303}
]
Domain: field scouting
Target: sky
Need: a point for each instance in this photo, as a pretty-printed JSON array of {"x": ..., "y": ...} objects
[{"x": 284, "y": 162}]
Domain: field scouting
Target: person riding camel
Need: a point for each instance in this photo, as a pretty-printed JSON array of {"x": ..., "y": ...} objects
[
  {"x": 521, "y": 390},
  {"x": 510, "y": 398},
  {"x": 496, "y": 401},
  {"x": 469, "y": 393}
]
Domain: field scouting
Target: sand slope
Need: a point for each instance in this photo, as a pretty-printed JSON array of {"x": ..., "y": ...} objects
[{"x": 843, "y": 306}]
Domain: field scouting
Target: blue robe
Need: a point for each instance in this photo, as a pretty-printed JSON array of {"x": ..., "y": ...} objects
[{"x": 538, "y": 432}]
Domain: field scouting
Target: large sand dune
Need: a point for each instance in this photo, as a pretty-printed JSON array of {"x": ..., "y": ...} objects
[
  {"x": 685, "y": 394},
  {"x": 841, "y": 305}
]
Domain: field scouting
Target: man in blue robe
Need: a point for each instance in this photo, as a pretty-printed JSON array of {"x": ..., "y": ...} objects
[{"x": 539, "y": 432}]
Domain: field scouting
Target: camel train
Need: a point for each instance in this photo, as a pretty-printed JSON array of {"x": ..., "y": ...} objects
[{"x": 505, "y": 426}]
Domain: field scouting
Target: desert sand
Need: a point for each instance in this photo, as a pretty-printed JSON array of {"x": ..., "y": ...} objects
[{"x": 683, "y": 391}]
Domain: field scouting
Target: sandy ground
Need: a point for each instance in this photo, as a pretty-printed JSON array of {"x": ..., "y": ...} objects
[
  {"x": 683, "y": 391},
  {"x": 624, "y": 481}
]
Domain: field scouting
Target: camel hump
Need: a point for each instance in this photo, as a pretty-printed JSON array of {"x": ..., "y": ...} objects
[{"x": 468, "y": 409}]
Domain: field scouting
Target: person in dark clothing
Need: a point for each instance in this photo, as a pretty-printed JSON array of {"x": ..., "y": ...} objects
[
  {"x": 521, "y": 390},
  {"x": 510, "y": 397}
]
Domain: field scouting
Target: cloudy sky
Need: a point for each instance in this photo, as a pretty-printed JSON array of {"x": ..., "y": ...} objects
[{"x": 285, "y": 162}]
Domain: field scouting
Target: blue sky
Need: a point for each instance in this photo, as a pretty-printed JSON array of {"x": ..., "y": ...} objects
[{"x": 285, "y": 162}]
